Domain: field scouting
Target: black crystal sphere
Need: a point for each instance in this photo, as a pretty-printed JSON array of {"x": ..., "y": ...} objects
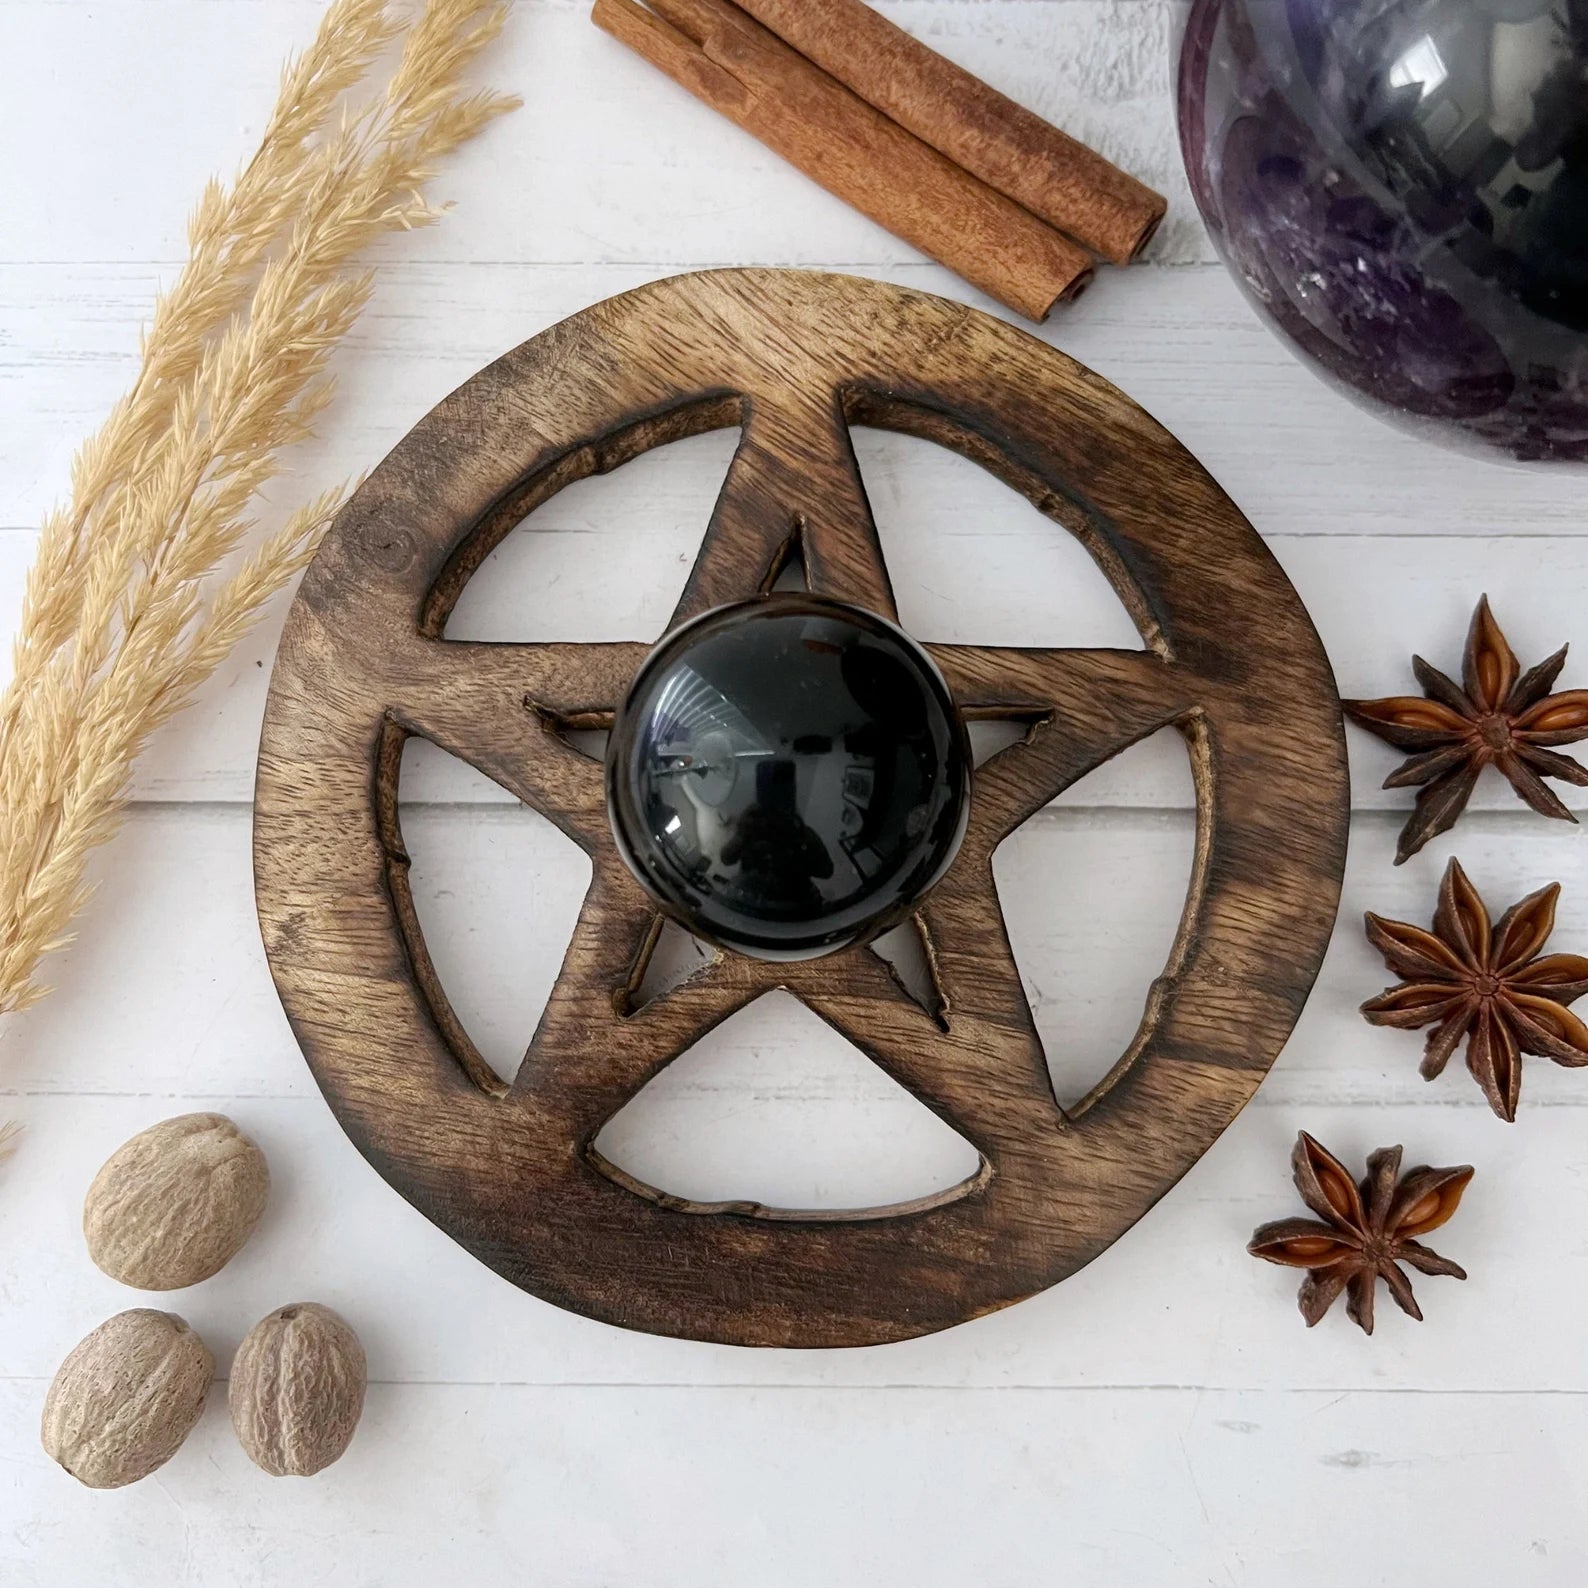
[{"x": 788, "y": 775}]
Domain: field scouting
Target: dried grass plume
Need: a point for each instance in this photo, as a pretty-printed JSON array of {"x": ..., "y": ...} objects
[{"x": 140, "y": 585}]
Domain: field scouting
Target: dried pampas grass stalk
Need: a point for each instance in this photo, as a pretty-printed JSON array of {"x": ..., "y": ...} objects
[
  {"x": 135, "y": 596},
  {"x": 8, "y": 1140}
]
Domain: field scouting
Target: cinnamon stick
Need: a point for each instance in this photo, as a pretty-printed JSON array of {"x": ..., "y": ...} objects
[
  {"x": 854, "y": 151},
  {"x": 1011, "y": 149}
]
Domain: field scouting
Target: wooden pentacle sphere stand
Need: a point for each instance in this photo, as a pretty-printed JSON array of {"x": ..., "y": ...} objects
[{"x": 508, "y": 1169}]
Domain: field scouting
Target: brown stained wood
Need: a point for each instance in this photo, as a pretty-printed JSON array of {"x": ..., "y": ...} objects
[{"x": 507, "y": 1167}]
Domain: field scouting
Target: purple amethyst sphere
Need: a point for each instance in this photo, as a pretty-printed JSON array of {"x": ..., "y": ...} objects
[{"x": 1401, "y": 187}]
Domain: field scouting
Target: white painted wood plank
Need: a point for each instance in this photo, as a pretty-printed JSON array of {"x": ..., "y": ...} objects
[
  {"x": 1177, "y": 1300},
  {"x": 783, "y": 1489},
  {"x": 606, "y": 160},
  {"x": 1388, "y": 553},
  {"x": 1373, "y": 598},
  {"x": 165, "y": 1006},
  {"x": 1296, "y": 456},
  {"x": 167, "y": 991}
]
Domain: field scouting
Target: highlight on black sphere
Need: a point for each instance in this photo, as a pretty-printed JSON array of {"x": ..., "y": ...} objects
[{"x": 788, "y": 775}]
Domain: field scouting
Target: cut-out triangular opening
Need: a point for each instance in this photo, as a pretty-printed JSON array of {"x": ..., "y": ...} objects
[
  {"x": 773, "y": 1107},
  {"x": 973, "y": 562},
  {"x": 791, "y": 576},
  {"x": 589, "y": 742},
  {"x": 991, "y": 736},
  {"x": 669, "y": 957},
  {"x": 907, "y": 950},
  {"x": 496, "y": 890},
  {"x": 606, "y": 557},
  {"x": 789, "y": 570},
  {"x": 587, "y": 732},
  {"x": 1093, "y": 897}
]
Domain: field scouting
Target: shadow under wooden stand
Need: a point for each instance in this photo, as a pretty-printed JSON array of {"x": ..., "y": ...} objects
[{"x": 508, "y": 1169}]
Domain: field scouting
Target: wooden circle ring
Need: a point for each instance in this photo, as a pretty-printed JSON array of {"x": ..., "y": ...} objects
[{"x": 508, "y": 1169}]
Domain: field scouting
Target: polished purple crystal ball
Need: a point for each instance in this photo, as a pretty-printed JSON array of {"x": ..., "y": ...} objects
[{"x": 1401, "y": 187}]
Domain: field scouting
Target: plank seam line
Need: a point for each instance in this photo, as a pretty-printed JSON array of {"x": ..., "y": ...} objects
[
  {"x": 1053, "y": 815},
  {"x": 1271, "y": 1095},
  {"x": 741, "y": 1385},
  {"x": 1412, "y": 539},
  {"x": 391, "y": 267}
]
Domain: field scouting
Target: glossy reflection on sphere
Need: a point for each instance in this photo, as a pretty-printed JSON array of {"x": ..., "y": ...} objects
[
  {"x": 788, "y": 775},
  {"x": 1401, "y": 186}
]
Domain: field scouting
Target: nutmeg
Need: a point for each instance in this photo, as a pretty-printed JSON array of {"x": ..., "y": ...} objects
[
  {"x": 126, "y": 1398},
  {"x": 176, "y": 1203},
  {"x": 297, "y": 1390}
]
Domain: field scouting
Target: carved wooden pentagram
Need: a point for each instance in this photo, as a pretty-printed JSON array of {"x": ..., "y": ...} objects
[{"x": 1230, "y": 658}]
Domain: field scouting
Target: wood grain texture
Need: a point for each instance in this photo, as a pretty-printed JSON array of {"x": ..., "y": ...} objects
[
  {"x": 1054, "y": 1478},
  {"x": 509, "y": 1170}
]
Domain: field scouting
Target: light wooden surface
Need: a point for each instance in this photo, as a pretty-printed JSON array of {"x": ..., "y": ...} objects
[{"x": 1163, "y": 1417}]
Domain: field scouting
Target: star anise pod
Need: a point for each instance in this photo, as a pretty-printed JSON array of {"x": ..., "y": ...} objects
[
  {"x": 1486, "y": 983},
  {"x": 1367, "y": 1232},
  {"x": 1497, "y": 716}
]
